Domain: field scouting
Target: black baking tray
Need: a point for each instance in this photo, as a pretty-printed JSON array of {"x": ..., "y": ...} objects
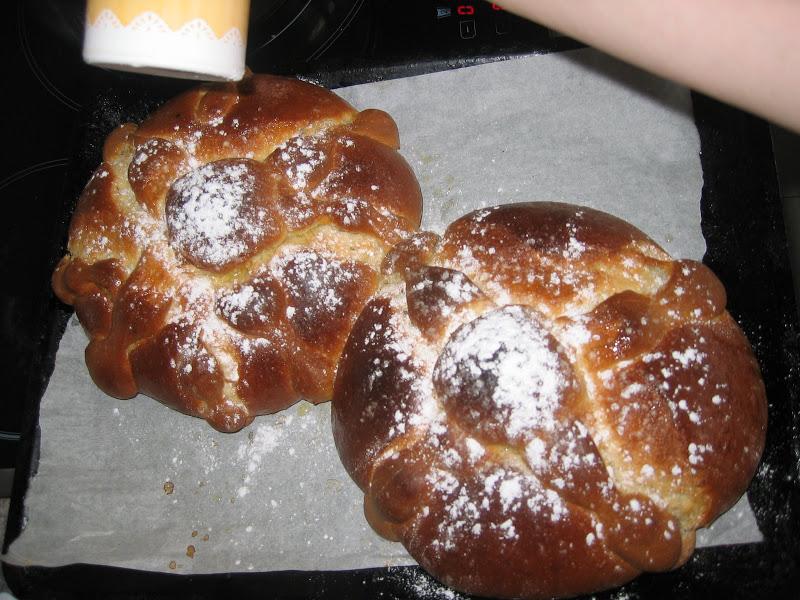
[{"x": 746, "y": 247}]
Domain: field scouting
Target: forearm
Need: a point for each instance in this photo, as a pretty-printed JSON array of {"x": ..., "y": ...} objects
[{"x": 745, "y": 52}]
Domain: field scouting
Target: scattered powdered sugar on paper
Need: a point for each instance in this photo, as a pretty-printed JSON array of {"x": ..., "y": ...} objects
[{"x": 265, "y": 439}]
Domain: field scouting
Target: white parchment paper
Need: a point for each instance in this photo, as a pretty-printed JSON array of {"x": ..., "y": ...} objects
[{"x": 134, "y": 484}]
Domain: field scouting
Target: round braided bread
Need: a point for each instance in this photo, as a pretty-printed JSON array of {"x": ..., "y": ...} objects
[
  {"x": 543, "y": 403},
  {"x": 220, "y": 253}
]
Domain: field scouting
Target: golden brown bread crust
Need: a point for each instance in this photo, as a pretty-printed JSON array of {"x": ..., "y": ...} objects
[
  {"x": 219, "y": 255},
  {"x": 543, "y": 403}
]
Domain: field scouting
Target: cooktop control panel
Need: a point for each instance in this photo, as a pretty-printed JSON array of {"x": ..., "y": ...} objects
[{"x": 313, "y": 34}]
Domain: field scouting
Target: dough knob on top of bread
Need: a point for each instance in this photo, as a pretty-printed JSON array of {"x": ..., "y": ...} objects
[
  {"x": 220, "y": 253},
  {"x": 542, "y": 402}
]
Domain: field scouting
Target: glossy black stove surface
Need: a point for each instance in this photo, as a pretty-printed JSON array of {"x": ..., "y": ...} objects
[
  {"x": 38, "y": 131},
  {"x": 64, "y": 110}
]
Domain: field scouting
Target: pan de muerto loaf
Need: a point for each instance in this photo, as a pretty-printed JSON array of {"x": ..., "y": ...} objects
[
  {"x": 220, "y": 253},
  {"x": 543, "y": 403}
]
